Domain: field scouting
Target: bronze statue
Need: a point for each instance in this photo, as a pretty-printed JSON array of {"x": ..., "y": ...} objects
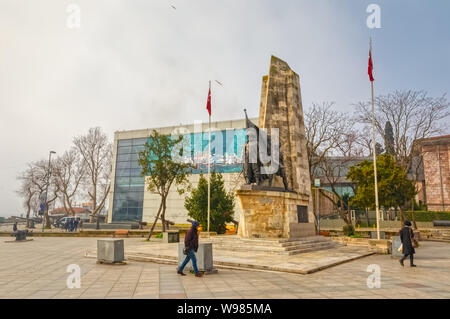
[{"x": 252, "y": 171}]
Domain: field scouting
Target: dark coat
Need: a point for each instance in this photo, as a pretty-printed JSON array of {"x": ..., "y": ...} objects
[
  {"x": 191, "y": 239},
  {"x": 405, "y": 236}
]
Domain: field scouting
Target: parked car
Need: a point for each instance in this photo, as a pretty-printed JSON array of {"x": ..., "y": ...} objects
[{"x": 62, "y": 221}]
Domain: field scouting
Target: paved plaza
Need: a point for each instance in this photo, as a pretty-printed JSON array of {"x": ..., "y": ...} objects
[{"x": 37, "y": 269}]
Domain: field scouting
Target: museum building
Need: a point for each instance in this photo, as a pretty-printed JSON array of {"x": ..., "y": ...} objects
[{"x": 131, "y": 201}]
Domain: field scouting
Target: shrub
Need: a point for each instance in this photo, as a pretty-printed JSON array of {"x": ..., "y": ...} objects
[
  {"x": 424, "y": 216},
  {"x": 349, "y": 230},
  {"x": 222, "y": 204}
]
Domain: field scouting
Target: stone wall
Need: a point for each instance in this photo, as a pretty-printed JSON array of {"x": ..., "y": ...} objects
[{"x": 436, "y": 162}]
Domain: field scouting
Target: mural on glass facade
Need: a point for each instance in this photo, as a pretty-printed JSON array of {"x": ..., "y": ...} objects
[
  {"x": 226, "y": 151},
  {"x": 226, "y": 157}
]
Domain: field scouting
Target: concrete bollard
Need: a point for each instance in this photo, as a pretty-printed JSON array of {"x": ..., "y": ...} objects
[
  {"x": 110, "y": 251},
  {"x": 373, "y": 235},
  {"x": 171, "y": 236},
  {"x": 204, "y": 256},
  {"x": 396, "y": 242}
]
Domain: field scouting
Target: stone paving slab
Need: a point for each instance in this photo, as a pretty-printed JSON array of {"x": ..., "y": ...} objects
[{"x": 305, "y": 263}]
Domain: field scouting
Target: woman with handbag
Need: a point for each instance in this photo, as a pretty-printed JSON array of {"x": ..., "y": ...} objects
[{"x": 408, "y": 243}]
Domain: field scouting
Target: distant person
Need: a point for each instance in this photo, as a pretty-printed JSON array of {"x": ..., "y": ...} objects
[
  {"x": 67, "y": 225},
  {"x": 76, "y": 222},
  {"x": 15, "y": 227},
  {"x": 408, "y": 242},
  {"x": 81, "y": 224},
  {"x": 190, "y": 248}
]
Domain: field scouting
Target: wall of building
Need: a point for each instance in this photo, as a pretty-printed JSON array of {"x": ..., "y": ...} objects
[
  {"x": 175, "y": 202},
  {"x": 436, "y": 161},
  {"x": 129, "y": 195}
]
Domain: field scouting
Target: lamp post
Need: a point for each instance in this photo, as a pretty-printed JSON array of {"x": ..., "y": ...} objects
[{"x": 46, "y": 190}]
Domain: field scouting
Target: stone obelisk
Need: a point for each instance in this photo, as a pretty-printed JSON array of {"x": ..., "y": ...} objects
[
  {"x": 269, "y": 212},
  {"x": 281, "y": 107}
]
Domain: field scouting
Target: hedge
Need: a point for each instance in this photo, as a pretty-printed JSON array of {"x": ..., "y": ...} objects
[{"x": 423, "y": 216}]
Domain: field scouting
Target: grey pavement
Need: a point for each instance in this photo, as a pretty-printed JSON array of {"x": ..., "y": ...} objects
[{"x": 37, "y": 269}]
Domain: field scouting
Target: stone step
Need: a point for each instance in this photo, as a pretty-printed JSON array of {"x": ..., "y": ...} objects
[
  {"x": 271, "y": 242},
  {"x": 310, "y": 245},
  {"x": 295, "y": 248},
  {"x": 307, "y": 250}
]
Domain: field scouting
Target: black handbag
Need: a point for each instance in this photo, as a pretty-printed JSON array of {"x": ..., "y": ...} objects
[{"x": 185, "y": 250}]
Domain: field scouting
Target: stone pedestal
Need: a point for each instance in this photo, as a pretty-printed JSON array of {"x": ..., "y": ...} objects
[
  {"x": 273, "y": 214},
  {"x": 171, "y": 236},
  {"x": 204, "y": 256},
  {"x": 110, "y": 250},
  {"x": 396, "y": 243}
]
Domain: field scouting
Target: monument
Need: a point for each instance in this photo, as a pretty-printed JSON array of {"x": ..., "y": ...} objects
[{"x": 275, "y": 205}]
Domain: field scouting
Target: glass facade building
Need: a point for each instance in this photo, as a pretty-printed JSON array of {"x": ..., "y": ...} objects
[{"x": 129, "y": 185}]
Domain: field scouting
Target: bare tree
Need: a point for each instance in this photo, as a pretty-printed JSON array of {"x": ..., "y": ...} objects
[
  {"x": 96, "y": 152},
  {"x": 324, "y": 129},
  {"x": 43, "y": 183},
  {"x": 68, "y": 172},
  {"x": 27, "y": 191},
  {"x": 412, "y": 114},
  {"x": 334, "y": 169},
  {"x": 332, "y": 143}
]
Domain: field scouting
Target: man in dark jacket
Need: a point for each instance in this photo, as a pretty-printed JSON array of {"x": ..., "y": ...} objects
[
  {"x": 406, "y": 235},
  {"x": 191, "y": 246}
]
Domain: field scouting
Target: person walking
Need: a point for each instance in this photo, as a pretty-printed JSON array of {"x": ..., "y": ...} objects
[
  {"x": 408, "y": 243},
  {"x": 15, "y": 227},
  {"x": 190, "y": 248}
]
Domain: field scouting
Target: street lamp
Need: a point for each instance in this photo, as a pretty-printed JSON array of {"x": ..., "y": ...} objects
[{"x": 46, "y": 190}]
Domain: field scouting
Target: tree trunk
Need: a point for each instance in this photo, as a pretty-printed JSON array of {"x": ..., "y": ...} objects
[
  {"x": 413, "y": 215},
  {"x": 402, "y": 214},
  {"x": 28, "y": 216},
  {"x": 156, "y": 219},
  {"x": 47, "y": 220},
  {"x": 163, "y": 214}
]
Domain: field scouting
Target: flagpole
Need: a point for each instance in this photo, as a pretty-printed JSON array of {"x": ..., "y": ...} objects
[
  {"x": 209, "y": 166},
  {"x": 375, "y": 155}
]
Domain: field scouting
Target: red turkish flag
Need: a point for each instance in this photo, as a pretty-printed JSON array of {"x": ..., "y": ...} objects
[
  {"x": 208, "y": 103},
  {"x": 370, "y": 67}
]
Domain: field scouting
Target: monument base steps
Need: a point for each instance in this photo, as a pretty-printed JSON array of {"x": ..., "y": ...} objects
[{"x": 274, "y": 246}]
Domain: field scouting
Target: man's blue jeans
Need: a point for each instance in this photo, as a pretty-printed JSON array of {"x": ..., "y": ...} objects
[{"x": 190, "y": 256}]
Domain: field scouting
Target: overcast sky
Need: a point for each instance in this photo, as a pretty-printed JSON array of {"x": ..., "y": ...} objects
[{"x": 137, "y": 64}]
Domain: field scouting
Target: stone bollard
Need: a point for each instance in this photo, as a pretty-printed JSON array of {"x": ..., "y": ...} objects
[
  {"x": 204, "y": 256},
  {"x": 373, "y": 235},
  {"x": 110, "y": 251},
  {"x": 396, "y": 242},
  {"x": 171, "y": 236}
]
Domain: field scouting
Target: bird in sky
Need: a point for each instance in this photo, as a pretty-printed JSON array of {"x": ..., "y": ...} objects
[
  {"x": 173, "y": 7},
  {"x": 218, "y": 83}
]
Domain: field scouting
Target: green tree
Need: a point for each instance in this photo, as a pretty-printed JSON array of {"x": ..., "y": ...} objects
[
  {"x": 222, "y": 203},
  {"x": 394, "y": 188},
  {"x": 161, "y": 164}
]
